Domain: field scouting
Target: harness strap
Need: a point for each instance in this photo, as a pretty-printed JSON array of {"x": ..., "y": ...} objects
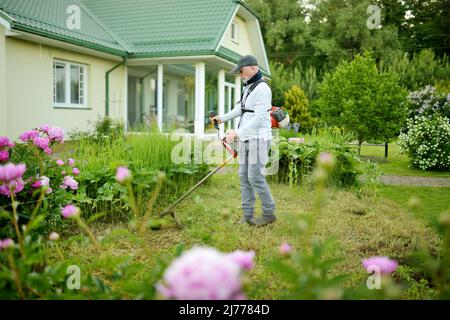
[{"x": 252, "y": 87}]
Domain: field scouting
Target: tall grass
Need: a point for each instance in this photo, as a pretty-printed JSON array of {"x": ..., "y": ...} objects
[{"x": 146, "y": 152}]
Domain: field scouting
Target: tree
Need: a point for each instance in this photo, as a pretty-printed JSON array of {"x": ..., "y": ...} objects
[
  {"x": 339, "y": 31},
  {"x": 283, "y": 27},
  {"x": 361, "y": 99},
  {"x": 283, "y": 78},
  {"x": 424, "y": 68},
  {"x": 427, "y": 24},
  {"x": 296, "y": 103}
]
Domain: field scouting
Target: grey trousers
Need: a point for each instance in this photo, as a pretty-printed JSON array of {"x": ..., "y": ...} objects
[{"x": 253, "y": 156}]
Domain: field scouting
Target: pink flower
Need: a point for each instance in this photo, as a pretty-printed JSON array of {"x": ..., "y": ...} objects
[
  {"x": 63, "y": 173},
  {"x": 69, "y": 182},
  {"x": 326, "y": 160},
  {"x": 41, "y": 142},
  {"x": 56, "y": 134},
  {"x": 70, "y": 211},
  {"x": 16, "y": 186},
  {"x": 29, "y": 135},
  {"x": 5, "y": 142},
  {"x": 53, "y": 236},
  {"x": 49, "y": 190},
  {"x": 4, "y": 155},
  {"x": 202, "y": 274},
  {"x": 76, "y": 171},
  {"x": 48, "y": 150},
  {"x": 71, "y": 162},
  {"x": 36, "y": 184},
  {"x": 45, "y": 128},
  {"x": 324, "y": 157},
  {"x": 59, "y": 162},
  {"x": 243, "y": 258},
  {"x": 285, "y": 249},
  {"x": 122, "y": 174},
  {"x": 41, "y": 182},
  {"x": 11, "y": 171},
  {"x": 6, "y": 243},
  {"x": 384, "y": 264}
]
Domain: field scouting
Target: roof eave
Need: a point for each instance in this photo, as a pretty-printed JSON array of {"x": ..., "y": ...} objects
[
  {"x": 85, "y": 44},
  {"x": 246, "y": 6},
  {"x": 5, "y": 19}
]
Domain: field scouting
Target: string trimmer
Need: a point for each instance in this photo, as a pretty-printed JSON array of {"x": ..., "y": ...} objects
[{"x": 233, "y": 154}]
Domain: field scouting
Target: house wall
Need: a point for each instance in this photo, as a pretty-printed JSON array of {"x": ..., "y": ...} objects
[
  {"x": 3, "y": 113},
  {"x": 29, "y": 99},
  {"x": 244, "y": 46}
]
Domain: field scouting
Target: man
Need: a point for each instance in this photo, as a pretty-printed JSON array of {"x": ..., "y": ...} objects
[{"x": 255, "y": 136}]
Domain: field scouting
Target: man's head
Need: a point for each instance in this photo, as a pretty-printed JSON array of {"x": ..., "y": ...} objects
[{"x": 247, "y": 67}]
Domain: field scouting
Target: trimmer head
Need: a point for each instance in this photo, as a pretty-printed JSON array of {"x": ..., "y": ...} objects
[{"x": 229, "y": 148}]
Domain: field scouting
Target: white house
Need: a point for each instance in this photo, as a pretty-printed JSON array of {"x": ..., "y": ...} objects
[{"x": 164, "y": 63}]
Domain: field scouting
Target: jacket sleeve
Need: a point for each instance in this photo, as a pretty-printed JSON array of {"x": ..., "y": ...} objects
[
  {"x": 236, "y": 112},
  {"x": 262, "y": 102}
]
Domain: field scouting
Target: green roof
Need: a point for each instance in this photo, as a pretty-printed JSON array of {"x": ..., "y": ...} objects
[
  {"x": 48, "y": 18},
  {"x": 132, "y": 27},
  {"x": 169, "y": 26}
]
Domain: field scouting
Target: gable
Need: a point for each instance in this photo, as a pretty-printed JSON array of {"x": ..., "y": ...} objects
[{"x": 249, "y": 37}]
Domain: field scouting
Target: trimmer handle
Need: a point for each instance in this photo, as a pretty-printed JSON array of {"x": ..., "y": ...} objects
[{"x": 212, "y": 113}]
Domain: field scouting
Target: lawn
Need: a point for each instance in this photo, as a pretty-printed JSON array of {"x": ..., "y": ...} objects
[
  {"x": 360, "y": 227},
  {"x": 355, "y": 221},
  {"x": 396, "y": 164},
  {"x": 433, "y": 201}
]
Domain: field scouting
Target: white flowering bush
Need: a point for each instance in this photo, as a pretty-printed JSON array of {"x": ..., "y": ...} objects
[{"x": 427, "y": 142}]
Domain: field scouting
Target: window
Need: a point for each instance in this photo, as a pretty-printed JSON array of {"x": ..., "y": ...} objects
[
  {"x": 69, "y": 84},
  {"x": 234, "y": 32},
  {"x": 178, "y": 110}
]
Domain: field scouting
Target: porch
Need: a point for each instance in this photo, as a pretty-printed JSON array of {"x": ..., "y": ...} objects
[{"x": 179, "y": 94}]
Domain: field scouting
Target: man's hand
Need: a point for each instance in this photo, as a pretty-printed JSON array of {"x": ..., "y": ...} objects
[
  {"x": 217, "y": 118},
  {"x": 231, "y": 136}
]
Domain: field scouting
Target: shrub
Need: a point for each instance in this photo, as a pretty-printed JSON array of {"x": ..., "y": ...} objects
[
  {"x": 296, "y": 103},
  {"x": 42, "y": 172},
  {"x": 296, "y": 157},
  {"x": 428, "y": 102},
  {"x": 104, "y": 129},
  {"x": 427, "y": 142}
]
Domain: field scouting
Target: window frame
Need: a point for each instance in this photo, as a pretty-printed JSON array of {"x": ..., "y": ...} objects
[
  {"x": 68, "y": 104},
  {"x": 235, "y": 37}
]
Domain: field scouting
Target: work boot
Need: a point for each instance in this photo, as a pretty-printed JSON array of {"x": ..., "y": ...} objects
[
  {"x": 263, "y": 220},
  {"x": 245, "y": 220}
]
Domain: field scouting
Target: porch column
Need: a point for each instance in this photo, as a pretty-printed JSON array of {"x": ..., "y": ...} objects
[
  {"x": 159, "y": 94},
  {"x": 221, "y": 97},
  {"x": 3, "y": 110},
  {"x": 237, "y": 96},
  {"x": 199, "y": 126},
  {"x": 125, "y": 99}
]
